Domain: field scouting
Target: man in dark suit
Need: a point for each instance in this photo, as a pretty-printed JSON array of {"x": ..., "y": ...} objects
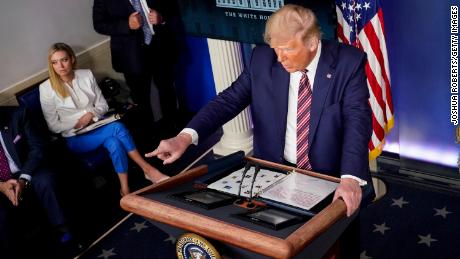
[
  {"x": 142, "y": 48},
  {"x": 339, "y": 126},
  {"x": 21, "y": 167}
]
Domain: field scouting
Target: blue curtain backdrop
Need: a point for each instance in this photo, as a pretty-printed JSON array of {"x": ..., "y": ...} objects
[
  {"x": 418, "y": 43},
  {"x": 194, "y": 79}
]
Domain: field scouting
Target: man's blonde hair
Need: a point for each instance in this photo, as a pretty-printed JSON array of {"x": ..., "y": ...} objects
[
  {"x": 289, "y": 22},
  {"x": 56, "y": 82}
]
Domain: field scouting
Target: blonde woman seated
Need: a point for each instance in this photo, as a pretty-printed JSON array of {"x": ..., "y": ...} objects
[{"x": 71, "y": 100}]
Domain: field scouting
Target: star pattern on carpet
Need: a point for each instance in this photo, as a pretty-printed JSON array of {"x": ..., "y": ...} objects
[
  {"x": 399, "y": 202},
  {"x": 364, "y": 256},
  {"x": 170, "y": 239},
  {"x": 442, "y": 212},
  {"x": 139, "y": 226},
  {"x": 381, "y": 228},
  {"x": 107, "y": 253},
  {"x": 426, "y": 240}
]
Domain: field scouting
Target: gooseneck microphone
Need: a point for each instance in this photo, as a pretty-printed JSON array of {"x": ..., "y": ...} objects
[
  {"x": 246, "y": 169},
  {"x": 250, "y": 204}
]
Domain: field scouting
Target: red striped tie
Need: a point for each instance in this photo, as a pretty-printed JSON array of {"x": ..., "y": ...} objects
[
  {"x": 5, "y": 171},
  {"x": 303, "y": 121}
]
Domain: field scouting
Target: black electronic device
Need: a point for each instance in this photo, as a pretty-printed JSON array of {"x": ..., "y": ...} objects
[
  {"x": 272, "y": 217},
  {"x": 206, "y": 198}
]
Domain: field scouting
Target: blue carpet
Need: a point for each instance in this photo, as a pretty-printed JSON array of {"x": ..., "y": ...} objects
[
  {"x": 408, "y": 222},
  {"x": 411, "y": 222},
  {"x": 135, "y": 238}
]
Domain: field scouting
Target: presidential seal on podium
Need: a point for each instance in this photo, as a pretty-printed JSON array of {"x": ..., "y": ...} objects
[{"x": 193, "y": 246}]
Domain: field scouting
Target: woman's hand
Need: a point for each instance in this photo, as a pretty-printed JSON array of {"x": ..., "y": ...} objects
[{"x": 84, "y": 121}]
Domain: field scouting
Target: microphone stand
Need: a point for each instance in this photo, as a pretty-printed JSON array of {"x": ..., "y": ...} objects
[
  {"x": 251, "y": 205},
  {"x": 246, "y": 169}
]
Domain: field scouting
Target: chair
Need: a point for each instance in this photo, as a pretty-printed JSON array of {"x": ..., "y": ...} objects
[{"x": 30, "y": 99}]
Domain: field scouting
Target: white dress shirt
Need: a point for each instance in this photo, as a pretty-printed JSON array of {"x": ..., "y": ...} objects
[
  {"x": 62, "y": 114},
  {"x": 290, "y": 144}
]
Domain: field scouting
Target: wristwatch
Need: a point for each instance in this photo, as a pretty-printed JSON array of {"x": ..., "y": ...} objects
[{"x": 26, "y": 182}]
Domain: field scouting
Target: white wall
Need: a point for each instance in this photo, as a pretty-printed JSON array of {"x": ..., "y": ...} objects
[{"x": 29, "y": 27}]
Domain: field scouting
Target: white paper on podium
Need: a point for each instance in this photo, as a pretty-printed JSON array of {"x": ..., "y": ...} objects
[
  {"x": 231, "y": 183},
  {"x": 299, "y": 190}
]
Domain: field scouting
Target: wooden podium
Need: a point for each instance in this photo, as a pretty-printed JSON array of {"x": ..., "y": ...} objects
[{"x": 152, "y": 203}]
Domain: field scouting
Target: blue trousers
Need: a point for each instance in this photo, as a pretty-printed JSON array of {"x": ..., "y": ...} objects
[{"x": 113, "y": 136}]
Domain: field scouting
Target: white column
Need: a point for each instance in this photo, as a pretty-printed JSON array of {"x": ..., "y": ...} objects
[{"x": 227, "y": 65}]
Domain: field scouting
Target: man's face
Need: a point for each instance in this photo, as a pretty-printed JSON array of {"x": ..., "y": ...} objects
[{"x": 295, "y": 54}]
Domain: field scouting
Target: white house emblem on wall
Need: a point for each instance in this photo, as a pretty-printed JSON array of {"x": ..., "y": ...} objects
[{"x": 258, "y": 5}]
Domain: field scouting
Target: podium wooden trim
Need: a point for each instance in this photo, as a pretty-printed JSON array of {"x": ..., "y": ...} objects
[{"x": 230, "y": 233}]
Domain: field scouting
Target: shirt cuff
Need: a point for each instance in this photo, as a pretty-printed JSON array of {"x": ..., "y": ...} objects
[
  {"x": 26, "y": 176},
  {"x": 360, "y": 181},
  {"x": 193, "y": 134}
]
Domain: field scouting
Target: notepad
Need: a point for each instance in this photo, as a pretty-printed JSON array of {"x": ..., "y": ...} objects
[{"x": 99, "y": 123}]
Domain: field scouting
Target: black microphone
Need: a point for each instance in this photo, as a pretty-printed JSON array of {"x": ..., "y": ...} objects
[
  {"x": 246, "y": 169},
  {"x": 250, "y": 204}
]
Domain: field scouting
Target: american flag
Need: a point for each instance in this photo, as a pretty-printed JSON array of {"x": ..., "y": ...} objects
[{"x": 360, "y": 23}]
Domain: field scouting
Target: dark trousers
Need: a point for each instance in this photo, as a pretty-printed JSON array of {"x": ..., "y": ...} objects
[
  {"x": 43, "y": 188},
  {"x": 161, "y": 70},
  {"x": 5, "y": 227}
]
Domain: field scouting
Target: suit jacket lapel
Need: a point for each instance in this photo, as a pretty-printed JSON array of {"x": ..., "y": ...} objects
[
  {"x": 323, "y": 81},
  {"x": 129, "y": 6},
  {"x": 280, "y": 86}
]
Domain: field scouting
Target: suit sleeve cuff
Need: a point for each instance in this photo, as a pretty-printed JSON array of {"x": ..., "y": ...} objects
[
  {"x": 26, "y": 176},
  {"x": 360, "y": 181},
  {"x": 192, "y": 133}
]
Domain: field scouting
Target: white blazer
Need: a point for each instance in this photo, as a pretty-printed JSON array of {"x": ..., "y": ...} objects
[{"x": 62, "y": 114}]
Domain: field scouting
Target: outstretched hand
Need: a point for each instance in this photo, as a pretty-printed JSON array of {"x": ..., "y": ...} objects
[
  {"x": 170, "y": 150},
  {"x": 351, "y": 193}
]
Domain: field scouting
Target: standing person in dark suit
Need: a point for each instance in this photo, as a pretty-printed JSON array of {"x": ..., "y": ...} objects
[
  {"x": 142, "y": 48},
  {"x": 21, "y": 167},
  {"x": 335, "y": 138}
]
